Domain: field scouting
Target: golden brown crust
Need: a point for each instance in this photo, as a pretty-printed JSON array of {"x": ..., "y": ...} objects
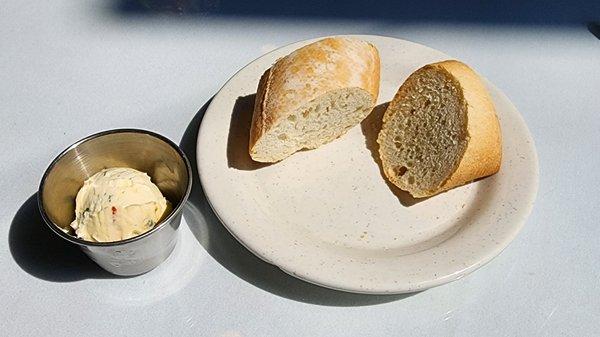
[
  {"x": 483, "y": 153},
  {"x": 372, "y": 75},
  {"x": 308, "y": 73},
  {"x": 484, "y": 149},
  {"x": 258, "y": 121}
]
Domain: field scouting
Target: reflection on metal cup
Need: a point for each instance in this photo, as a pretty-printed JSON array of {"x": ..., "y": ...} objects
[{"x": 142, "y": 150}]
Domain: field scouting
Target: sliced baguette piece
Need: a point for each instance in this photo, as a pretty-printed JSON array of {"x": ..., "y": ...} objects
[
  {"x": 313, "y": 96},
  {"x": 440, "y": 131}
]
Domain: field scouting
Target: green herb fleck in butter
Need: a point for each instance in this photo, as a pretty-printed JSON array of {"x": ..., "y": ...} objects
[{"x": 116, "y": 204}]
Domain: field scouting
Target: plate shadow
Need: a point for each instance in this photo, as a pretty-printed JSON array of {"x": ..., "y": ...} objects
[
  {"x": 239, "y": 135},
  {"x": 43, "y": 254},
  {"x": 224, "y": 248}
]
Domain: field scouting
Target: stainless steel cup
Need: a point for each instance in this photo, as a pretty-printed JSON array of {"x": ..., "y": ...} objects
[{"x": 142, "y": 150}]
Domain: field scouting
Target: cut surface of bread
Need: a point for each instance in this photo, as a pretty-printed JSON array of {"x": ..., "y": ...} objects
[
  {"x": 440, "y": 131},
  {"x": 313, "y": 96}
]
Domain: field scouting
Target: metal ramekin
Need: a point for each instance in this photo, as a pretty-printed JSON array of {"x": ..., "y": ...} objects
[{"x": 142, "y": 150}]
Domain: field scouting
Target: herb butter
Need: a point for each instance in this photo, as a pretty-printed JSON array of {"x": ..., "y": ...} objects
[{"x": 117, "y": 204}]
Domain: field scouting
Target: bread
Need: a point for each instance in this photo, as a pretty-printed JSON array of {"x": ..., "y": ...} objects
[
  {"x": 440, "y": 131},
  {"x": 313, "y": 96}
]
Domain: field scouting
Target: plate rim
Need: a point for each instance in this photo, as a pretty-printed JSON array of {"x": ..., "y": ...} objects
[{"x": 434, "y": 282}]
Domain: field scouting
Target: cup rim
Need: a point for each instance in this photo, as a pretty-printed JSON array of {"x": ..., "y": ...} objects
[{"x": 176, "y": 210}]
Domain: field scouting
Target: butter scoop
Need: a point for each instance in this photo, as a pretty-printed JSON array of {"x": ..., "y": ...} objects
[{"x": 117, "y": 204}]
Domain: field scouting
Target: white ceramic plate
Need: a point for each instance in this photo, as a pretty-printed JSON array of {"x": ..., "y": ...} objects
[{"x": 328, "y": 216}]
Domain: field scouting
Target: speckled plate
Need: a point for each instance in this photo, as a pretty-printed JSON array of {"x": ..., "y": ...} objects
[{"x": 329, "y": 217}]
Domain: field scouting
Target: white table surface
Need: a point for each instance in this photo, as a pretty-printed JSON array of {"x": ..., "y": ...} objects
[{"x": 72, "y": 68}]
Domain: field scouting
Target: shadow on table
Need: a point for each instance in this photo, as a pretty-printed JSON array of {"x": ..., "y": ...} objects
[
  {"x": 43, "y": 254},
  {"x": 594, "y": 28},
  {"x": 224, "y": 248},
  {"x": 533, "y": 12}
]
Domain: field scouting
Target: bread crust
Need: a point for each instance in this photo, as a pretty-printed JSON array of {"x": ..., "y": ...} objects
[
  {"x": 483, "y": 153},
  {"x": 308, "y": 73},
  {"x": 484, "y": 148}
]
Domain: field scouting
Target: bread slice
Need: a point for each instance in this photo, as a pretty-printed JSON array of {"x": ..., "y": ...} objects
[
  {"x": 313, "y": 96},
  {"x": 440, "y": 131}
]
